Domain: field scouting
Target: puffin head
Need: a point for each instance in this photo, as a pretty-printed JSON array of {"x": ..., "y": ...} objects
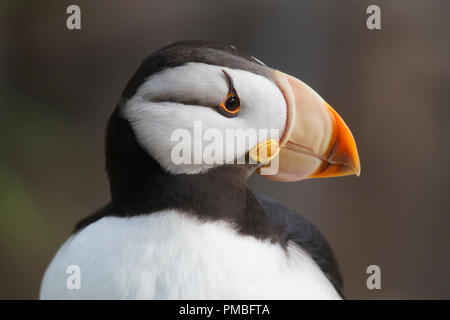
[{"x": 189, "y": 96}]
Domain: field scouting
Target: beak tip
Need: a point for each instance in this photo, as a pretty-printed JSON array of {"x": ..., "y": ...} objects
[
  {"x": 356, "y": 164},
  {"x": 346, "y": 150}
]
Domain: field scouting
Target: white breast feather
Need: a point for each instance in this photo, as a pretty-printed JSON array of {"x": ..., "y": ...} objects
[{"x": 171, "y": 255}]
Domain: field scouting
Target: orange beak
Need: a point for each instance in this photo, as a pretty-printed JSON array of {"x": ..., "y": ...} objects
[{"x": 316, "y": 143}]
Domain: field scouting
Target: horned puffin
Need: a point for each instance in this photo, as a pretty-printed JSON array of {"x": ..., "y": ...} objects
[{"x": 194, "y": 230}]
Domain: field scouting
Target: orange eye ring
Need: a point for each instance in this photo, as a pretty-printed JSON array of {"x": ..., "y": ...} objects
[{"x": 231, "y": 104}]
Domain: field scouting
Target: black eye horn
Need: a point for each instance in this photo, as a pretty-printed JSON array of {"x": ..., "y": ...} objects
[{"x": 230, "y": 80}]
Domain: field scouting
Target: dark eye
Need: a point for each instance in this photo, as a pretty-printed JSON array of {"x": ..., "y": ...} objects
[{"x": 231, "y": 105}]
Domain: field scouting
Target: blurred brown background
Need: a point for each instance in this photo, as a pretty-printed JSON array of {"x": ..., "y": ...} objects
[{"x": 58, "y": 88}]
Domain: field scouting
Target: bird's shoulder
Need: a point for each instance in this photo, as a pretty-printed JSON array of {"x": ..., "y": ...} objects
[{"x": 299, "y": 230}]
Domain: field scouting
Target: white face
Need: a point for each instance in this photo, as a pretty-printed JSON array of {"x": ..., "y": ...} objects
[{"x": 186, "y": 96}]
